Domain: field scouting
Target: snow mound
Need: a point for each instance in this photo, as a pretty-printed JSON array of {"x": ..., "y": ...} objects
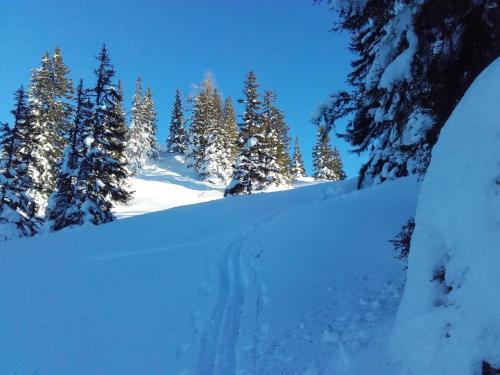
[
  {"x": 449, "y": 318},
  {"x": 296, "y": 282}
]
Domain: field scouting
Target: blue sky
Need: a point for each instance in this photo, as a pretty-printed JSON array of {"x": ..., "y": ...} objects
[{"x": 174, "y": 43}]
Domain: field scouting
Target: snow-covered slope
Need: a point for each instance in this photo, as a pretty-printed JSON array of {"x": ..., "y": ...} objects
[
  {"x": 165, "y": 184},
  {"x": 449, "y": 319},
  {"x": 296, "y": 282}
]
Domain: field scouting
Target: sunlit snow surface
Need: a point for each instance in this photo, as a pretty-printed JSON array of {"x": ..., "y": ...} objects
[{"x": 302, "y": 281}]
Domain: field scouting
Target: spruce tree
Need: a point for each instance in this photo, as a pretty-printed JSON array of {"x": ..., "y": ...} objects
[
  {"x": 151, "y": 126},
  {"x": 137, "y": 141},
  {"x": 297, "y": 163},
  {"x": 216, "y": 166},
  {"x": 177, "y": 141},
  {"x": 17, "y": 207},
  {"x": 230, "y": 130},
  {"x": 414, "y": 61},
  {"x": 250, "y": 168},
  {"x": 277, "y": 139},
  {"x": 50, "y": 93},
  {"x": 201, "y": 125},
  {"x": 104, "y": 166},
  {"x": 64, "y": 207},
  {"x": 326, "y": 161}
]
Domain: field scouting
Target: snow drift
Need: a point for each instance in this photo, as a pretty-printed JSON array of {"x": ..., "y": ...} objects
[{"x": 449, "y": 318}]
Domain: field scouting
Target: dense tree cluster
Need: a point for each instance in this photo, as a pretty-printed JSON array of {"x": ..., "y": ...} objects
[
  {"x": 248, "y": 157},
  {"x": 64, "y": 159},
  {"x": 67, "y": 157},
  {"x": 415, "y": 59}
]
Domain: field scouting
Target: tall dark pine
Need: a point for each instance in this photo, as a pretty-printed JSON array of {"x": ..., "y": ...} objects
[
  {"x": 65, "y": 203},
  {"x": 17, "y": 207},
  {"x": 250, "y": 169},
  {"x": 104, "y": 165},
  {"x": 177, "y": 141}
]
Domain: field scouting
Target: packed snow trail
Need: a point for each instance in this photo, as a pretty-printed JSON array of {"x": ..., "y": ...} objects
[{"x": 293, "y": 282}]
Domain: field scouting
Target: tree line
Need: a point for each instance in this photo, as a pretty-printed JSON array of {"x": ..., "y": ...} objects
[{"x": 66, "y": 158}]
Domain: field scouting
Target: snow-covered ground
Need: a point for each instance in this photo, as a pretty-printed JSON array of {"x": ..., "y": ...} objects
[
  {"x": 302, "y": 281},
  {"x": 165, "y": 184},
  {"x": 168, "y": 183}
]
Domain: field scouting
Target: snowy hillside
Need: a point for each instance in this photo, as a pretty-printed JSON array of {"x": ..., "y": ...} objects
[
  {"x": 167, "y": 183},
  {"x": 295, "y": 282}
]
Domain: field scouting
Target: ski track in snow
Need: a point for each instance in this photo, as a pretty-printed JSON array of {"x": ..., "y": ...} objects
[{"x": 218, "y": 344}]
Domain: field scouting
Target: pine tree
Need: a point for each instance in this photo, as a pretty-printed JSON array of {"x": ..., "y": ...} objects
[
  {"x": 201, "y": 125},
  {"x": 415, "y": 59},
  {"x": 216, "y": 166},
  {"x": 177, "y": 141},
  {"x": 326, "y": 161},
  {"x": 277, "y": 141},
  {"x": 17, "y": 207},
  {"x": 137, "y": 141},
  {"x": 297, "y": 163},
  {"x": 151, "y": 127},
  {"x": 104, "y": 165},
  {"x": 230, "y": 130},
  {"x": 50, "y": 93},
  {"x": 64, "y": 207},
  {"x": 250, "y": 172}
]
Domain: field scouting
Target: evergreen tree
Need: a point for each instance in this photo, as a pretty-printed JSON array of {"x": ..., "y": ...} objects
[
  {"x": 250, "y": 172},
  {"x": 150, "y": 122},
  {"x": 216, "y": 166},
  {"x": 17, "y": 207},
  {"x": 104, "y": 165},
  {"x": 326, "y": 161},
  {"x": 177, "y": 141},
  {"x": 277, "y": 140},
  {"x": 50, "y": 93},
  {"x": 201, "y": 125},
  {"x": 137, "y": 140},
  {"x": 230, "y": 130},
  {"x": 297, "y": 163},
  {"x": 415, "y": 59},
  {"x": 64, "y": 207}
]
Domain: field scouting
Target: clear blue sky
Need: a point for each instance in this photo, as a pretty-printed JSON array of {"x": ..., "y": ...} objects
[{"x": 173, "y": 43}]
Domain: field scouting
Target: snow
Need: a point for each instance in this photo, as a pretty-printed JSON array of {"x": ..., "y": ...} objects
[
  {"x": 451, "y": 327},
  {"x": 302, "y": 281},
  {"x": 167, "y": 183}
]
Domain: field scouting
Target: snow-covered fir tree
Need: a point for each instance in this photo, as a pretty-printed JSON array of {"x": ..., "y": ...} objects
[
  {"x": 230, "y": 126},
  {"x": 150, "y": 125},
  {"x": 177, "y": 141},
  {"x": 297, "y": 169},
  {"x": 274, "y": 148},
  {"x": 250, "y": 172},
  {"x": 326, "y": 160},
  {"x": 217, "y": 164},
  {"x": 200, "y": 125},
  {"x": 138, "y": 137},
  {"x": 104, "y": 166},
  {"x": 50, "y": 92},
  {"x": 413, "y": 64},
  {"x": 17, "y": 208},
  {"x": 65, "y": 203}
]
